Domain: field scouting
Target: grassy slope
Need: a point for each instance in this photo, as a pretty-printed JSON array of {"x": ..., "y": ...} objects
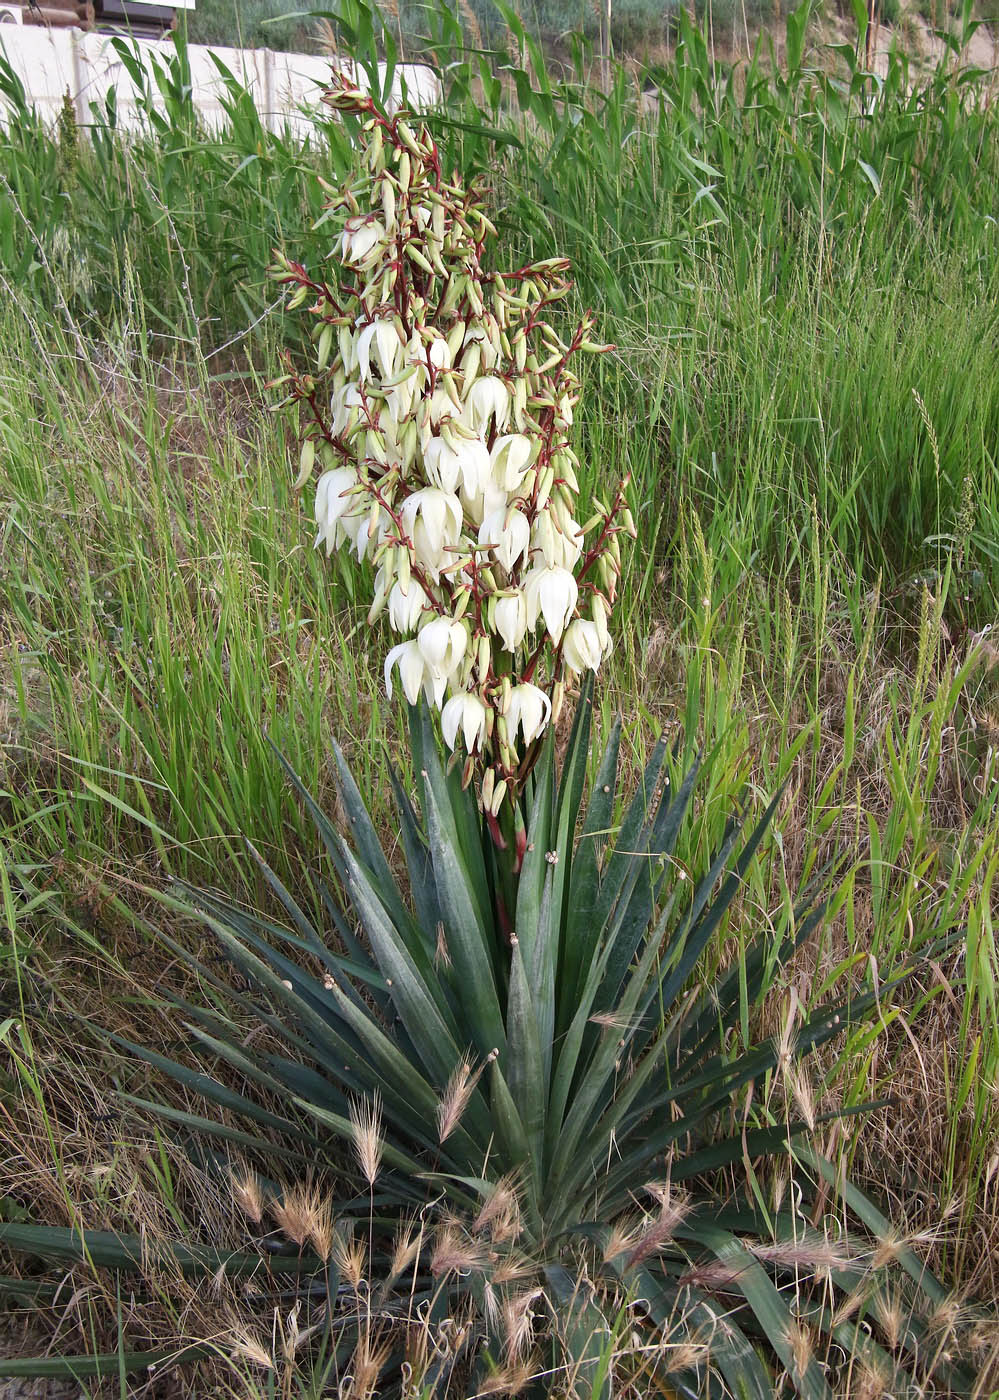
[{"x": 806, "y": 392}]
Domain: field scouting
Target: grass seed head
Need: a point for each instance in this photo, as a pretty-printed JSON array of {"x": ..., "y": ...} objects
[
  {"x": 248, "y": 1193},
  {"x": 299, "y": 1212},
  {"x": 366, "y": 1128},
  {"x": 454, "y": 1252},
  {"x": 500, "y": 1213},
  {"x": 455, "y": 1098}
]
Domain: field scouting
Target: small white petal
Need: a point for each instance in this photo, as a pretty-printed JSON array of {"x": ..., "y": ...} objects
[
  {"x": 412, "y": 670},
  {"x": 511, "y": 457}
]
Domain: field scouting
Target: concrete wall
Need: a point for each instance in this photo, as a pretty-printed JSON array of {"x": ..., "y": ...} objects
[{"x": 286, "y": 86}]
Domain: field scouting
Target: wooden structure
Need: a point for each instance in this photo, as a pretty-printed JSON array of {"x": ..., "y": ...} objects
[{"x": 140, "y": 17}]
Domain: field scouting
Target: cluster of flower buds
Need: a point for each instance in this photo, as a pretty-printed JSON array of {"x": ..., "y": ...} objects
[{"x": 440, "y": 412}]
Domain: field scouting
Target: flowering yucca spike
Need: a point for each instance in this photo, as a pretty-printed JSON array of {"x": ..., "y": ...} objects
[{"x": 439, "y": 411}]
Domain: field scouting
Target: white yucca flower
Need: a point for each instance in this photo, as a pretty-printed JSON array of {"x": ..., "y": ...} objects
[
  {"x": 361, "y": 241},
  {"x": 345, "y": 408},
  {"x": 408, "y": 657},
  {"x": 337, "y": 497},
  {"x": 487, "y": 401},
  {"x": 442, "y": 645},
  {"x": 556, "y": 538},
  {"x": 406, "y": 605},
  {"x": 553, "y": 593},
  {"x": 379, "y": 342},
  {"x": 510, "y": 619},
  {"x": 507, "y": 534},
  {"x": 582, "y": 649},
  {"x": 467, "y": 713},
  {"x": 432, "y": 520},
  {"x": 511, "y": 457},
  {"x": 453, "y": 460},
  {"x": 528, "y": 709}
]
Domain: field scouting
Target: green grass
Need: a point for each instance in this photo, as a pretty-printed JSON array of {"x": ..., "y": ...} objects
[{"x": 806, "y": 394}]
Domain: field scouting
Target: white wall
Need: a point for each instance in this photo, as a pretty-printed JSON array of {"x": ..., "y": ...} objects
[{"x": 285, "y": 85}]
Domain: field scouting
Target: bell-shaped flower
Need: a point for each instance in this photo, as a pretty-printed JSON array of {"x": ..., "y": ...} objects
[
  {"x": 582, "y": 647},
  {"x": 507, "y": 533},
  {"x": 365, "y": 528},
  {"x": 412, "y": 669},
  {"x": 337, "y": 497},
  {"x": 454, "y": 460},
  {"x": 487, "y": 399},
  {"x": 557, "y": 538},
  {"x": 345, "y": 406},
  {"x": 511, "y": 457},
  {"x": 553, "y": 593},
  {"x": 528, "y": 709},
  {"x": 442, "y": 644},
  {"x": 467, "y": 713},
  {"x": 405, "y": 605},
  {"x": 378, "y": 341},
  {"x": 432, "y": 520},
  {"x": 361, "y": 241},
  {"x": 399, "y": 396},
  {"x": 510, "y": 619},
  {"x": 438, "y": 352}
]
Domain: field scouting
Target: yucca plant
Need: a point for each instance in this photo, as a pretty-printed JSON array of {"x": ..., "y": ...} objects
[{"x": 512, "y": 1057}]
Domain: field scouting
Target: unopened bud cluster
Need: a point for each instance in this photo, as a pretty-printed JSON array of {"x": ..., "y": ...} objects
[{"x": 440, "y": 412}]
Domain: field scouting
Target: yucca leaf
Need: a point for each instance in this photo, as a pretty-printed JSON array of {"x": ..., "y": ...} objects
[
  {"x": 343, "y": 1128},
  {"x": 512, "y": 1136},
  {"x": 523, "y": 1062},
  {"x": 585, "y": 877},
  {"x": 469, "y": 944},
  {"x": 270, "y": 1074},
  {"x": 303, "y": 983},
  {"x": 367, "y": 845},
  {"x": 619, "y": 864},
  {"x": 362, "y": 831},
  {"x": 768, "y": 1307},
  {"x": 457, "y": 815},
  {"x": 206, "y": 1087},
  {"x": 535, "y": 868},
  {"x": 385, "y": 1068},
  {"x": 422, "y": 886},
  {"x": 418, "y": 998},
  {"x": 875, "y": 1220},
  {"x": 570, "y": 795},
  {"x": 211, "y": 1127},
  {"x": 639, "y": 891},
  {"x": 596, "y": 1081},
  {"x": 129, "y": 1253},
  {"x": 586, "y": 1336},
  {"x": 106, "y": 1364},
  {"x": 688, "y": 1311},
  {"x": 698, "y": 931},
  {"x": 230, "y": 995}
]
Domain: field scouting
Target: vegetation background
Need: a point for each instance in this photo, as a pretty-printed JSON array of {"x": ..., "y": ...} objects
[{"x": 798, "y": 265}]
